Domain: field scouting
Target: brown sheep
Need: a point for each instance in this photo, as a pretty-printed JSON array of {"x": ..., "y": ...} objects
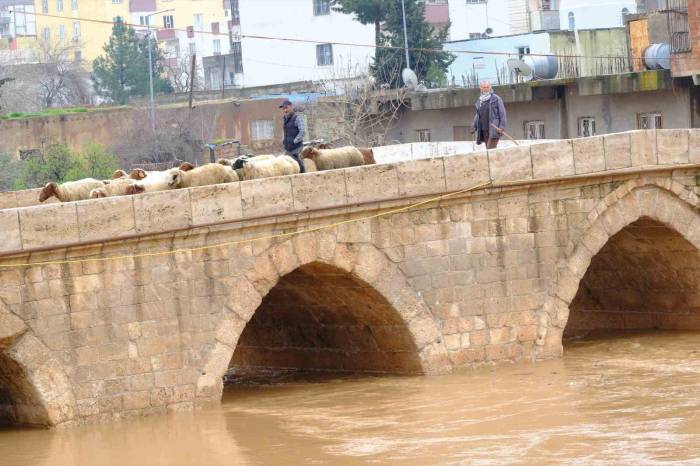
[{"x": 368, "y": 155}]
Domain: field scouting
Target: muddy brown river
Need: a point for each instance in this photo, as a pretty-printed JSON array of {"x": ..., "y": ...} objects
[{"x": 622, "y": 400}]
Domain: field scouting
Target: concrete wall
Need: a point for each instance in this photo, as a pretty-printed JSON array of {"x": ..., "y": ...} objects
[
  {"x": 613, "y": 112},
  {"x": 122, "y": 312}
]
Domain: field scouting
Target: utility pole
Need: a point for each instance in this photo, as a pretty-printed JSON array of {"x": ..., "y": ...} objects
[
  {"x": 150, "y": 68},
  {"x": 193, "y": 76},
  {"x": 405, "y": 34}
]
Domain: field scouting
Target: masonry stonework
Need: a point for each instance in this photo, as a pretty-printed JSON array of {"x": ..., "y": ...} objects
[{"x": 208, "y": 280}]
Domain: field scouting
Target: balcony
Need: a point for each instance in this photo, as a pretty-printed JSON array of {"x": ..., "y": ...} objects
[
  {"x": 165, "y": 34},
  {"x": 544, "y": 20}
]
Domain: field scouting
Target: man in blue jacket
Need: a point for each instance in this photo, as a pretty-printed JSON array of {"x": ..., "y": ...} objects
[
  {"x": 490, "y": 119},
  {"x": 294, "y": 131}
]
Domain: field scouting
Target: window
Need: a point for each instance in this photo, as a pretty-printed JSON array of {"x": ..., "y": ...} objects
[
  {"x": 216, "y": 44},
  {"x": 193, "y": 48},
  {"x": 437, "y": 2},
  {"x": 522, "y": 51},
  {"x": 572, "y": 21},
  {"x": 59, "y": 5},
  {"x": 25, "y": 23},
  {"x": 226, "y": 13},
  {"x": 78, "y": 56},
  {"x": 199, "y": 21},
  {"x": 423, "y": 135},
  {"x": 115, "y": 2},
  {"x": 650, "y": 120},
  {"x": 237, "y": 57},
  {"x": 144, "y": 20},
  {"x": 475, "y": 1},
  {"x": 44, "y": 6},
  {"x": 76, "y": 31},
  {"x": 322, "y": 7},
  {"x": 324, "y": 54},
  {"x": 74, "y": 5},
  {"x": 168, "y": 22},
  {"x": 534, "y": 130},
  {"x": 262, "y": 130},
  {"x": 47, "y": 34},
  {"x": 215, "y": 80},
  {"x": 586, "y": 127},
  {"x": 61, "y": 32}
]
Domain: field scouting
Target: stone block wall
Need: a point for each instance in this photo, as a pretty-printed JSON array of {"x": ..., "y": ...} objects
[{"x": 201, "y": 277}]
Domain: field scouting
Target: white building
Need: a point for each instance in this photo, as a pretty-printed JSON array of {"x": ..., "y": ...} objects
[
  {"x": 257, "y": 61},
  {"x": 470, "y": 19}
]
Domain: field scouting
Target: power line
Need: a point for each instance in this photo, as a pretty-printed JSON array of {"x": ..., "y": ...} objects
[{"x": 347, "y": 44}]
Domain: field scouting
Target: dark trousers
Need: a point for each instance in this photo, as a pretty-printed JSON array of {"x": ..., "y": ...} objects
[
  {"x": 491, "y": 143},
  {"x": 295, "y": 154}
]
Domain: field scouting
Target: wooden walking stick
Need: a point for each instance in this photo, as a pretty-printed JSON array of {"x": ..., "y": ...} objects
[{"x": 507, "y": 135}]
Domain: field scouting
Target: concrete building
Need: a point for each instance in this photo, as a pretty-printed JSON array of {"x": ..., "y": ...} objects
[
  {"x": 17, "y": 29},
  {"x": 558, "y": 109},
  {"x": 259, "y": 62}
]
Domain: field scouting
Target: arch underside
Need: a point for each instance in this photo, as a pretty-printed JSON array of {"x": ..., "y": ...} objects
[
  {"x": 19, "y": 402},
  {"x": 321, "y": 318},
  {"x": 647, "y": 276}
]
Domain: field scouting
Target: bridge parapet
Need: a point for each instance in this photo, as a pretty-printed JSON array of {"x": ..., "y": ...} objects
[{"x": 66, "y": 224}]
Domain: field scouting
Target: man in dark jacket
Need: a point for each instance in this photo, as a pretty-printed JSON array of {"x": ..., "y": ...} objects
[
  {"x": 294, "y": 131},
  {"x": 490, "y": 119}
]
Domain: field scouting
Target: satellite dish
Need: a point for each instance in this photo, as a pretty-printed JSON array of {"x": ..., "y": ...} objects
[
  {"x": 520, "y": 68},
  {"x": 410, "y": 80},
  {"x": 488, "y": 31}
]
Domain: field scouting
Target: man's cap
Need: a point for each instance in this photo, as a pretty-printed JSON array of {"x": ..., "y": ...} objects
[{"x": 285, "y": 103}]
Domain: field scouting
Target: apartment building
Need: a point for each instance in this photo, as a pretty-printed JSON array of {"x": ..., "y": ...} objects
[{"x": 316, "y": 51}]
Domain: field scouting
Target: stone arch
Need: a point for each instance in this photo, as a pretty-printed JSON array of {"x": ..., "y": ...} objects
[
  {"x": 34, "y": 387},
  {"x": 363, "y": 261},
  {"x": 660, "y": 200}
]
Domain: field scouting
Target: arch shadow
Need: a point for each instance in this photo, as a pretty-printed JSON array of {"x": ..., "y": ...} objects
[
  {"x": 314, "y": 303},
  {"x": 34, "y": 387},
  {"x": 631, "y": 267}
]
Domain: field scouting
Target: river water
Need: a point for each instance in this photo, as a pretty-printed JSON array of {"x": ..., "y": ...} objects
[{"x": 623, "y": 400}]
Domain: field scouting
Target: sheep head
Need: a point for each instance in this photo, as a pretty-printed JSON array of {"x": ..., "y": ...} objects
[
  {"x": 119, "y": 174},
  {"x": 240, "y": 162},
  {"x": 137, "y": 174},
  {"x": 135, "y": 189},
  {"x": 309, "y": 153},
  {"x": 186, "y": 166},
  {"x": 51, "y": 189},
  {"x": 226, "y": 162},
  {"x": 175, "y": 179},
  {"x": 98, "y": 193}
]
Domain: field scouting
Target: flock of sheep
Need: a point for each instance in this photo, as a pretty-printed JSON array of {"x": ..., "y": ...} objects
[{"x": 223, "y": 171}]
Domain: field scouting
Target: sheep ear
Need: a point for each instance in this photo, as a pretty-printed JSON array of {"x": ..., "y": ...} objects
[
  {"x": 47, "y": 191},
  {"x": 226, "y": 162},
  {"x": 186, "y": 166},
  {"x": 118, "y": 174}
]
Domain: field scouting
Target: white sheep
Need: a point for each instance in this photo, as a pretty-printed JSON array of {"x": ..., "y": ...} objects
[
  {"x": 152, "y": 181},
  {"x": 329, "y": 159},
  {"x": 70, "y": 191},
  {"x": 256, "y": 167},
  {"x": 211, "y": 173},
  {"x": 117, "y": 187},
  {"x": 230, "y": 162}
]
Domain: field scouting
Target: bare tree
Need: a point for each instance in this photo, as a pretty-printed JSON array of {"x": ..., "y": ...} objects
[
  {"x": 354, "y": 110},
  {"x": 179, "y": 72},
  {"x": 60, "y": 79}
]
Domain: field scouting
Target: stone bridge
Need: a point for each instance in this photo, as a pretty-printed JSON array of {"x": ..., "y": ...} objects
[{"x": 128, "y": 306}]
